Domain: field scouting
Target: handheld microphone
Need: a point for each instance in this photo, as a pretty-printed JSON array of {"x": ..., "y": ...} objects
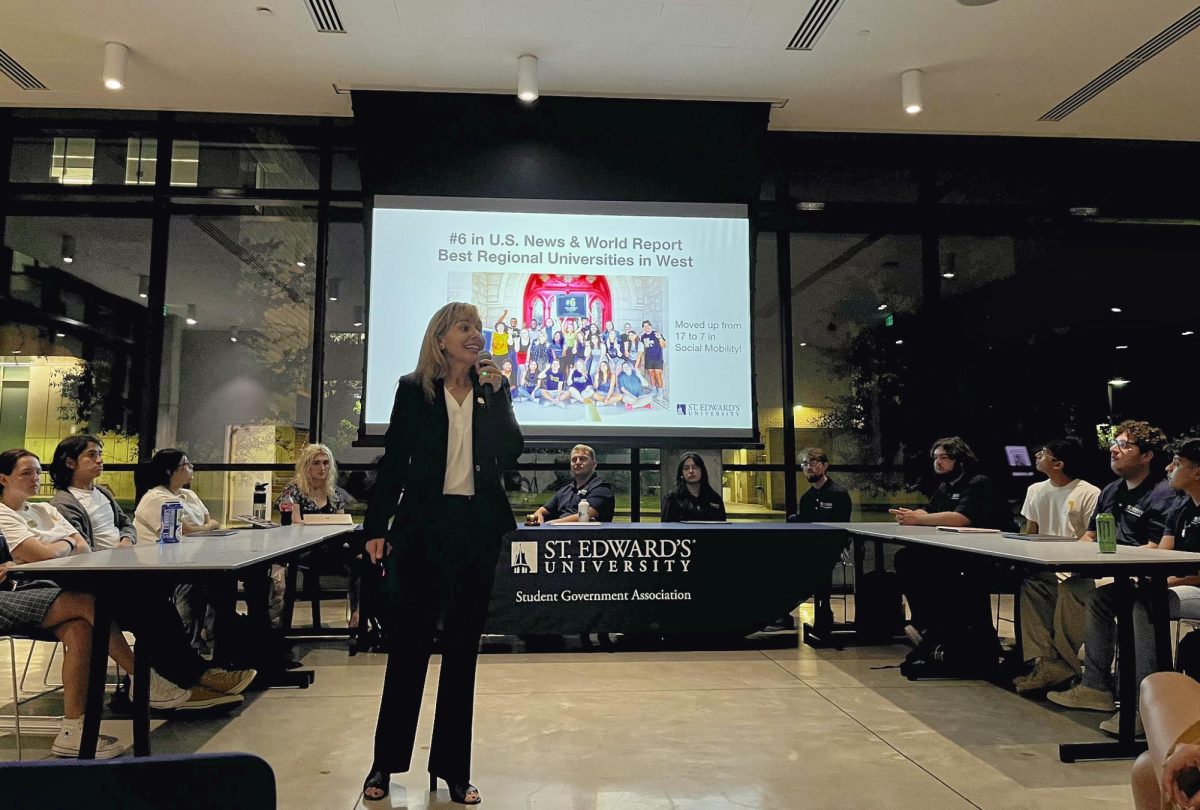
[{"x": 487, "y": 389}]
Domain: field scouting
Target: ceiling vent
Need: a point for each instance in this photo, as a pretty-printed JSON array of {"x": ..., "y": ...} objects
[
  {"x": 325, "y": 16},
  {"x": 23, "y": 78},
  {"x": 1156, "y": 45},
  {"x": 815, "y": 23}
]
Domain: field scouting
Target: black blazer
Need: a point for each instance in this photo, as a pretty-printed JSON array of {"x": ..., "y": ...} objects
[{"x": 414, "y": 459}]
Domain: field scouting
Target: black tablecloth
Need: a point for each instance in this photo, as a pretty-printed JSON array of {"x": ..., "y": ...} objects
[{"x": 657, "y": 577}]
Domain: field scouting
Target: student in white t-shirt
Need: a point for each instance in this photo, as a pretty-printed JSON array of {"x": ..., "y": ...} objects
[
  {"x": 164, "y": 479},
  {"x": 1052, "y": 629},
  {"x": 89, "y": 507},
  {"x": 33, "y": 531}
]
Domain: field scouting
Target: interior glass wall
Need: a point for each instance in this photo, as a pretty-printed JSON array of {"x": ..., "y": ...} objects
[{"x": 73, "y": 336}]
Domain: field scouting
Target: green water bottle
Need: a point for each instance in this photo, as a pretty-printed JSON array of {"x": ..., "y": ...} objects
[{"x": 1106, "y": 533}]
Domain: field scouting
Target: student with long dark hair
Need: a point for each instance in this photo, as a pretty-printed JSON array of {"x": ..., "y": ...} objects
[
  {"x": 692, "y": 498},
  {"x": 435, "y": 519}
]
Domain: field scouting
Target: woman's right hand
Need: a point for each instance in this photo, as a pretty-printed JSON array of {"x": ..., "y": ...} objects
[{"x": 376, "y": 549}]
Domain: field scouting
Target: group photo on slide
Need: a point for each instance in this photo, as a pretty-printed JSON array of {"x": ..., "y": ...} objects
[{"x": 576, "y": 346}]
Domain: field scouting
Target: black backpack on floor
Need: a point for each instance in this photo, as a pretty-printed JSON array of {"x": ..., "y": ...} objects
[{"x": 958, "y": 652}]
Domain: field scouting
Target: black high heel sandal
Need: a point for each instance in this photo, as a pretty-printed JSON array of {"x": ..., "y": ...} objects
[
  {"x": 377, "y": 780},
  {"x": 458, "y": 792}
]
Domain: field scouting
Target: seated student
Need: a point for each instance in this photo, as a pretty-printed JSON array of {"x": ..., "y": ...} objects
[
  {"x": 825, "y": 501},
  {"x": 579, "y": 383},
  {"x": 941, "y": 590},
  {"x": 607, "y": 392},
  {"x": 586, "y": 484},
  {"x": 1141, "y": 503},
  {"x": 89, "y": 507},
  {"x": 529, "y": 384},
  {"x": 164, "y": 479},
  {"x": 1170, "y": 706},
  {"x": 314, "y": 491},
  {"x": 634, "y": 392},
  {"x": 692, "y": 498},
  {"x": 37, "y": 607},
  {"x": 1052, "y": 628},
  {"x": 189, "y": 683},
  {"x": 1182, "y": 533},
  {"x": 553, "y": 388}
]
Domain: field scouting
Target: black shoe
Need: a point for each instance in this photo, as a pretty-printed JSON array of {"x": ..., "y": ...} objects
[
  {"x": 377, "y": 780},
  {"x": 781, "y": 624},
  {"x": 460, "y": 792}
]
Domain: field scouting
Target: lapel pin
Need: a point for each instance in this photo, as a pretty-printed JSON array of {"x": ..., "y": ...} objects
[{"x": 479, "y": 400}]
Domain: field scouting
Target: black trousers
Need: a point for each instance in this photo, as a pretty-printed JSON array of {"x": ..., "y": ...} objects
[
  {"x": 152, "y": 618},
  {"x": 945, "y": 590},
  {"x": 445, "y": 571}
]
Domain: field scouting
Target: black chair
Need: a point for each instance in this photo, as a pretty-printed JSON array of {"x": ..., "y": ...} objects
[{"x": 187, "y": 782}]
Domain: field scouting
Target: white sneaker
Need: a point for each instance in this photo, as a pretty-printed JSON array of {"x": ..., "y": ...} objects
[
  {"x": 66, "y": 744},
  {"x": 1113, "y": 725},
  {"x": 163, "y": 693}
]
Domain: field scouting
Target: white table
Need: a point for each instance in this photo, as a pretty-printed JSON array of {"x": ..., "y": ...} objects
[
  {"x": 146, "y": 566},
  {"x": 1080, "y": 558}
]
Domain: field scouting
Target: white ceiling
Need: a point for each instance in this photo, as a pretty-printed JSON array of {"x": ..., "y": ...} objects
[{"x": 988, "y": 69}]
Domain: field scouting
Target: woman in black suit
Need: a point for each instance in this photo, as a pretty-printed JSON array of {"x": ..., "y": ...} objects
[{"x": 451, "y": 433}]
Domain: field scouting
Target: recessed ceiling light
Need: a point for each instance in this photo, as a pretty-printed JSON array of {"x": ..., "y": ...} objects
[
  {"x": 1114, "y": 309},
  {"x": 60, "y": 334},
  {"x": 900, "y": 342},
  {"x": 803, "y": 344},
  {"x": 1187, "y": 333},
  {"x": 881, "y": 307},
  {"x": 1118, "y": 382},
  {"x": 1122, "y": 346},
  {"x": 947, "y": 275}
]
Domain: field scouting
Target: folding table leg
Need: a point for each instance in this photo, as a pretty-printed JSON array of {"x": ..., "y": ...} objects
[{"x": 97, "y": 672}]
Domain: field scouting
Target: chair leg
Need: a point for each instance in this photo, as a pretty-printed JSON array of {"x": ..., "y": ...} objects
[{"x": 12, "y": 657}]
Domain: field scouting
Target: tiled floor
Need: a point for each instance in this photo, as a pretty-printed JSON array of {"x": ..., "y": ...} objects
[{"x": 778, "y": 727}]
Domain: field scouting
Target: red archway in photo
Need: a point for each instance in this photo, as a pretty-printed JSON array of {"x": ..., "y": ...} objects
[{"x": 559, "y": 295}]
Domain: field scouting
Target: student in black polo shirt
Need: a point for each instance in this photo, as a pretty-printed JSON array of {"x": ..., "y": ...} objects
[
  {"x": 586, "y": 485},
  {"x": 825, "y": 501},
  {"x": 942, "y": 591},
  {"x": 1141, "y": 501}
]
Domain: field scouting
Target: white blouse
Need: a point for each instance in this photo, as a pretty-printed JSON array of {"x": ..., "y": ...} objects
[
  {"x": 460, "y": 463},
  {"x": 147, "y": 518}
]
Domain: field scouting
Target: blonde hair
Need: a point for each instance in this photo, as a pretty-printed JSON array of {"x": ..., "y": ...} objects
[
  {"x": 303, "y": 483},
  {"x": 431, "y": 363},
  {"x": 585, "y": 449}
]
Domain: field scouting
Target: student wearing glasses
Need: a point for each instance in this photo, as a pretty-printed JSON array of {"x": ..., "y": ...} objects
[
  {"x": 943, "y": 591},
  {"x": 1141, "y": 501},
  {"x": 165, "y": 478},
  {"x": 825, "y": 501}
]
